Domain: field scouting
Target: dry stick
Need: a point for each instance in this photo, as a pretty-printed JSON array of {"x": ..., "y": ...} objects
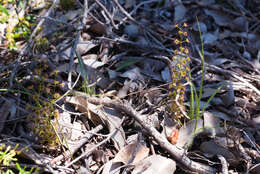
[
  {"x": 107, "y": 13},
  {"x": 29, "y": 45},
  {"x": 85, "y": 14},
  {"x": 96, "y": 146},
  {"x": 246, "y": 83},
  {"x": 242, "y": 9},
  {"x": 224, "y": 164},
  {"x": 251, "y": 142},
  {"x": 246, "y": 157},
  {"x": 120, "y": 40},
  {"x": 73, "y": 150},
  {"x": 178, "y": 154},
  {"x": 125, "y": 12},
  {"x": 136, "y": 8}
]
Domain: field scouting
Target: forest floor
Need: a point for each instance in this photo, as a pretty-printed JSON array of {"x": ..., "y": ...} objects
[{"x": 130, "y": 86}]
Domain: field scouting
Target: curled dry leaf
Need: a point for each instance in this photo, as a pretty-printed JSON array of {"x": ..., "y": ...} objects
[
  {"x": 174, "y": 136},
  {"x": 209, "y": 38},
  {"x": 228, "y": 98},
  {"x": 220, "y": 18},
  {"x": 122, "y": 93},
  {"x": 111, "y": 167},
  {"x": 180, "y": 12},
  {"x": 212, "y": 124}
]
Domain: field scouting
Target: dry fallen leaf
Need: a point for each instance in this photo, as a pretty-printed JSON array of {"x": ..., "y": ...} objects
[
  {"x": 155, "y": 164},
  {"x": 188, "y": 132},
  {"x": 212, "y": 124},
  {"x": 4, "y": 111},
  {"x": 125, "y": 155},
  {"x": 174, "y": 136}
]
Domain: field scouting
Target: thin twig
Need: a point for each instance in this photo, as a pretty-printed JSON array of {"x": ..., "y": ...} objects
[
  {"x": 108, "y": 14},
  {"x": 73, "y": 150},
  {"x": 177, "y": 153},
  {"x": 96, "y": 146}
]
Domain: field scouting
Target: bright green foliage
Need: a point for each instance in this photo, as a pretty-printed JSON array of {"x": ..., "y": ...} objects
[
  {"x": 89, "y": 90},
  {"x": 7, "y": 156},
  {"x": 17, "y": 27},
  {"x": 195, "y": 99},
  {"x": 23, "y": 170},
  {"x": 3, "y": 14}
]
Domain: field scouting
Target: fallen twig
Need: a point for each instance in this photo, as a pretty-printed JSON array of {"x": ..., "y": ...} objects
[
  {"x": 178, "y": 154},
  {"x": 75, "y": 149},
  {"x": 96, "y": 146}
]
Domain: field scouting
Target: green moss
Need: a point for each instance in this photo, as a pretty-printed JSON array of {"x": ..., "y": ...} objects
[{"x": 42, "y": 44}]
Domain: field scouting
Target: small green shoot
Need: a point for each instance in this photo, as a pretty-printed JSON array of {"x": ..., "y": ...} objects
[
  {"x": 90, "y": 90},
  {"x": 195, "y": 99}
]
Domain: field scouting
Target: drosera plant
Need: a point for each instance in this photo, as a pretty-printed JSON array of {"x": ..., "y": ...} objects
[
  {"x": 40, "y": 94},
  {"x": 44, "y": 115},
  {"x": 181, "y": 73}
]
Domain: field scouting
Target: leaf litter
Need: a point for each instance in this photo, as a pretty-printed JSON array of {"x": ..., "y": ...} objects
[{"x": 127, "y": 48}]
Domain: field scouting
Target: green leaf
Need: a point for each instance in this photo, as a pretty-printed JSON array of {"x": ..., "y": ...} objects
[
  {"x": 127, "y": 63},
  {"x": 21, "y": 4},
  {"x": 4, "y": 10},
  {"x": 213, "y": 95}
]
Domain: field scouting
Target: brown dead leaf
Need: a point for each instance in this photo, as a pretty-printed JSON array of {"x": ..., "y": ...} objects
[
  {"x": 125, "y": 155},
  {"x": 173, "y": 138}
]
